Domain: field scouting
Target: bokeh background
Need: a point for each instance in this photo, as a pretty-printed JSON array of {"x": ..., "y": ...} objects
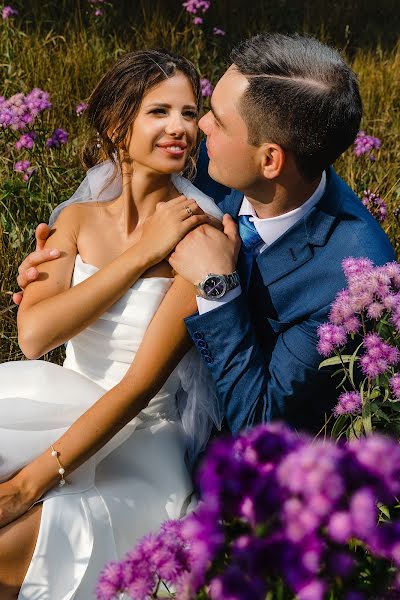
[{"x": 63, "y": 47}]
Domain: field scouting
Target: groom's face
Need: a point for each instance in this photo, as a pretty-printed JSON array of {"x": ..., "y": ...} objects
[{"x": 233, "y": 161}]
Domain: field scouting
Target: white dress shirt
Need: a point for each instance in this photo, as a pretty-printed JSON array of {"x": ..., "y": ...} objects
[{"x": 269, "y": 230}]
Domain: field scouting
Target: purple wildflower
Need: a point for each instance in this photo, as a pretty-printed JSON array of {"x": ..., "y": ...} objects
[
  {"x": 218, "y": 31},
  {"x": 375, "y": 205},
  {"x": 8, "y": 12},
  {"x": 197, "y": 21},
  {"x": 110, "y": 581},
  {"x": 21, "y": 166},
  {"x": 194, "y": 6},
  {"x": 378, "y": 356},
  {"x": 340, "y": 527},
  {"x": 80, "y": 108},
  {"x": 395, "y": 385},
  {"x": 206, "y": 88},
  {"x": 348, "y": 403},
  {"x": 98, "y": 12},
  {"x": 330, "y": 337},
  {"x": 58, "y": 137},
  {"x": 27, "y": 140},
  {"x": 365, "y": 143},
  {"x": 356, "y": 266}
]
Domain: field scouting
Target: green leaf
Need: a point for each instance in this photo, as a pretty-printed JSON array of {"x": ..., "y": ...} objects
[
  {"x": 340, "y": 426},
  {"x": 335, "y": 360},
  {"x": 378, "y": 412}
]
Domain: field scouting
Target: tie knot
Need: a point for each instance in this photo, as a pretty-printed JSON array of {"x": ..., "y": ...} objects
[{"x": 249, "y": 234}]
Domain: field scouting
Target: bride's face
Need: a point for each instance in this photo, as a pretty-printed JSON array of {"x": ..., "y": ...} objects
[{"x": 165, "y": 128}]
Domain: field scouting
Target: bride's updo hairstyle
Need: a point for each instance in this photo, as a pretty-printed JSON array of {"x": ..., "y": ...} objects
[{"x": 115, "y": 102}]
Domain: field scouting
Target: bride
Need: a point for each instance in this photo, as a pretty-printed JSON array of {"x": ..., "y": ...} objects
[{"x": 92, "y": 454}]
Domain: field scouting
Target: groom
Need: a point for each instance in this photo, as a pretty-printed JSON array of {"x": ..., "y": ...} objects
[{"x": 283, "y": 112}]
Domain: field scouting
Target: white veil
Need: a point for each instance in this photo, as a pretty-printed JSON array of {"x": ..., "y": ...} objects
[{"x": 197, "y": 399}]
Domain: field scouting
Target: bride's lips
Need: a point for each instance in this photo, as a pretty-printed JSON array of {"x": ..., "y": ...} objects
[{"x": 176, "y": 148}]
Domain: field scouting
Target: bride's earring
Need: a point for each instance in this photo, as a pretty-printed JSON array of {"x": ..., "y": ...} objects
[{"x": 98, "y": 140}]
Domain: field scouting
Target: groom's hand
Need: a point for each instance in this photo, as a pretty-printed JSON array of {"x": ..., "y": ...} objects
[
  {"x": 207, "y": 250},
  {"x": 27, "y": 271}
]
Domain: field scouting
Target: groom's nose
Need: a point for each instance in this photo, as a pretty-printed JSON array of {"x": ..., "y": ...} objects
[{"x": 203, "y": 123}]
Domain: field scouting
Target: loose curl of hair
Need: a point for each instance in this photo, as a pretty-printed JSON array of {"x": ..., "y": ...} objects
[{"x": 115, "y": 101}]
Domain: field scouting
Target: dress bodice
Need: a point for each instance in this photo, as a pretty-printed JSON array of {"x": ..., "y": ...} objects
[{"x": 104, "y": 350}]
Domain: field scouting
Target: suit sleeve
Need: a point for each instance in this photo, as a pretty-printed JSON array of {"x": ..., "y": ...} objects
[{"x": 258, "y": 385}]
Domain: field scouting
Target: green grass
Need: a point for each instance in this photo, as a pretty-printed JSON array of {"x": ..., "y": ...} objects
[{"x": 66, "y": 57}]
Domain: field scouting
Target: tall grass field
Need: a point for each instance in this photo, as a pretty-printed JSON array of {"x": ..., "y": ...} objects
[{"x": 63, "y": 48}]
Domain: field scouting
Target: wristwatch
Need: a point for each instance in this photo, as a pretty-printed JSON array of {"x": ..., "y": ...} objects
[{"x": 215, "y": 286}]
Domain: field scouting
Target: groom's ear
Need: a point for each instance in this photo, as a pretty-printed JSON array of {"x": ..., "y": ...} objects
[{"x": 272, "y": 159}]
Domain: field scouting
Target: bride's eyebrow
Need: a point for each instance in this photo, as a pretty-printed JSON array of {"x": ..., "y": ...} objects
[{"x": 164, "y": 105}]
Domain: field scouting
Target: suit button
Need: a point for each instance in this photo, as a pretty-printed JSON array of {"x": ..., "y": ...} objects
[
  {"x": 208, "y": 359},
  {"x": 198, "y": 335},
  {"x": 205, "y": 352},
  {"x": 202, "y": 344}
]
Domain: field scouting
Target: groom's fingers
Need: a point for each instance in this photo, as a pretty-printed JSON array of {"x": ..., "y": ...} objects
[
  {"x": 42, "y": 233},
  {"x": 17, "y": 298},
  {"x": 27, "y": 269},
  {"x": 230, "y": 229}
]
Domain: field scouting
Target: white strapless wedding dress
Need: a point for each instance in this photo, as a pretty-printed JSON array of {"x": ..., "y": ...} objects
[{"x": 130, "y": 486}]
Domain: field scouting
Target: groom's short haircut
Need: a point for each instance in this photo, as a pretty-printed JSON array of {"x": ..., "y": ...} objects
[{"x": 301, "y": 96}]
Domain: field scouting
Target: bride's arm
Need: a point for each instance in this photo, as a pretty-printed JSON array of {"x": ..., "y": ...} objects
[
  {"x": 164, "y": 344},
  {"x": 52, "y": 312}
]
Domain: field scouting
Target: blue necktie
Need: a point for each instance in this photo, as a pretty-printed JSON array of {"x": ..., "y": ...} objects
[{"x": 251, "y": 239}]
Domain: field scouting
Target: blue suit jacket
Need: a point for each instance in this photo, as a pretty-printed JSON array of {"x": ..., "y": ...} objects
[{"x": 261, "y": 347}]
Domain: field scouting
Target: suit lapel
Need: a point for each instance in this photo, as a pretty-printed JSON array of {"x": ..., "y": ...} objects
[
  {"x": 231, "y": 204},
  {"x": 295, "y": 246}
]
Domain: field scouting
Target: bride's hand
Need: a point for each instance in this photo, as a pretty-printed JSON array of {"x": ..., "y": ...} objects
[
  {"x": 169, "y": 224},
  {"x": 13, "y": 504}
]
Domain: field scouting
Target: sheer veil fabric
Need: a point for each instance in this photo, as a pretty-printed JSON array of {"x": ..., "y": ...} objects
[{"x": 197, "y": 400}]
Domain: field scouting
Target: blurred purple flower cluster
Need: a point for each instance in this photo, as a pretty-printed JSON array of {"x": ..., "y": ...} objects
[
  {"x": 194, "y": 7},
  {"x": 364, "y": 143},
  {"x": 372, "y": 297},
  {"x": 275, "y": 506},
  {"x": 8, "y": 12},
  {"x": 375, "y": 205},
  {"x": 27, "y": 140},
  {"x": 80, "y": 108},
  {"x": 21, "y": 110},
  {"x": 57, "y": 139},
  {"x": 24, "y": 166},
  {"x": 98, "y": 6},
  {"x": 206, "y": 88}
]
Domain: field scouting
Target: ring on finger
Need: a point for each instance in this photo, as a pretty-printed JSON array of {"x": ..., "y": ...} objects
[{"x": 189, "y": 211}]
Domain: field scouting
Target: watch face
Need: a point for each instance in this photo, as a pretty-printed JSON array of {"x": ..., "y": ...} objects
[{"x": 214, "y": 287}]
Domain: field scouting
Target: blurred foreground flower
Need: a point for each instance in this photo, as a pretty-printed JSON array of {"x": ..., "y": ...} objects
[
  {"x": 279, "y": 512},
  {"x": 218, "y": 31}
]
